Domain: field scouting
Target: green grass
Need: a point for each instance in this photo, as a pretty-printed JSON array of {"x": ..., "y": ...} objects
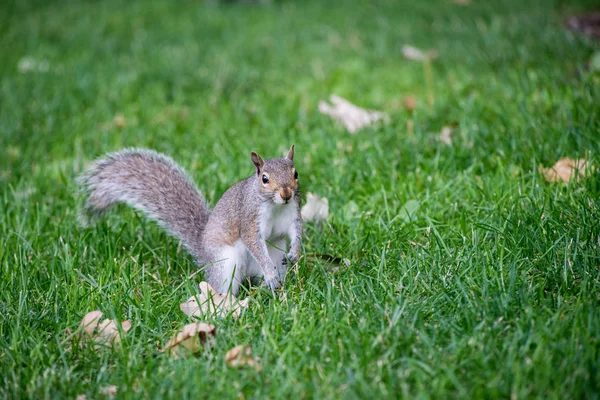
[{"x": 489, "y": 289}]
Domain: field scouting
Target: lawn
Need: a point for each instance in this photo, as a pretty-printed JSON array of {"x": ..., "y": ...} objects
[{"x": 464, "y": 273}]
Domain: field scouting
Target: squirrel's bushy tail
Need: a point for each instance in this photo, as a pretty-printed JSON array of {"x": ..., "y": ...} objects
[{"x": 152, "y": 183}]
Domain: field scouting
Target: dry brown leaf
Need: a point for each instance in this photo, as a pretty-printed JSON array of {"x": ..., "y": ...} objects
[
  {"x": 352, "y": 117},
  {"x": 190, "y": 339},
  {"x": 120, "y": 120},
  {"x": 107, "y": 329},
  {"x": 410, "y": 103},
  {"x": 412, "y": 53},
  {"x": 565, "y": 169},
  {"x": 108, "y": 332},
  {"x": 89, "y": 323},
  {"x": 446, "y": 135},
  {"x": 315, "y": 209},
  {"x": 81, "y": 397},
  {"x": 241, "y": 356},
  {"x": 105, "y": 333},
  {"x": 109, "y": 391},
  {"x": 208, "y": 301}
]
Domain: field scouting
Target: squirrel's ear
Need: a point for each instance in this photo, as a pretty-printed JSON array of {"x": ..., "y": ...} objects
[
  {"x": 257, "y": 161},
  {"x": 290, "y": 155}
]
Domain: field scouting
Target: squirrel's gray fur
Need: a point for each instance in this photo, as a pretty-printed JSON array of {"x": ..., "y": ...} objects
[{"x": 243, "y": 237}]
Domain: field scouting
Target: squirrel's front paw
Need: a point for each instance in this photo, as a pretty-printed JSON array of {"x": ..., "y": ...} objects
[{"x": 272, "y": 281}]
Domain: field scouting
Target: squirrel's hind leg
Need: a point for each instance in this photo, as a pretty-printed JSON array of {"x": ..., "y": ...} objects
[{"x": 228, "y": 270}]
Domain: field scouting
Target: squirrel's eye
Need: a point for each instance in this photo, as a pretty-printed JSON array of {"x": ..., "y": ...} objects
[
  {"x": 265, "y": 179},
  {"x": 295, "y": 174}
]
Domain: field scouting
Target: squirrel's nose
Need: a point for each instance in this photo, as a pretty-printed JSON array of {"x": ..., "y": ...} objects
[{"x": 286, "y": 194}]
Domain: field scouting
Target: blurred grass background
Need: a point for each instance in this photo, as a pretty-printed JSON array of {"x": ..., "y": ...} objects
[{"x": 488, "y": 287}]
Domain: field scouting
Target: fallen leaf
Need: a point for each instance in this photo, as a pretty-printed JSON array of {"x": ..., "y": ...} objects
[
  {"x": 565, "y": 169},
  {"x": 90, "y": 322},
  {"x": 414, "y": 54},
  {"x": 105, "y": 333},
  {"x": 446, "y": 135},
  {"x": 110, "y": 390},
  {"x": 81, "y": 397},
  {"x": 410, "y": 103},
  {"x": 316, "y": 208},
  {"x": 241, "y": 356},
  {"x": 119, "y": 120},
  {"x": 208, "y": 301},
  {"x": 190, "y": 339},
  {"x": 462, "y": 2},
  {"x": 352, "y": 117},
  {"x": 30, "y": 64},
  {"x": 108, "y": 332}
]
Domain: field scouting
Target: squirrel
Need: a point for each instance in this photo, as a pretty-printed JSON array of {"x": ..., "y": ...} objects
[{"x": 243, "y": 237}]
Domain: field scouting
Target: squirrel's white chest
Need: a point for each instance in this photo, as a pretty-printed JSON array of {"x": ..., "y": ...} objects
[{"x": 275, "y": 220}]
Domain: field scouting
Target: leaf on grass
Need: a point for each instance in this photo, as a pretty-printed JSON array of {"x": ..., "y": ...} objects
[
  {"x": 462, "y": 2},
  {"x": 30, "y": 64},
  {"x": 190, "y": 339},
  {"x": 241, "y": 356},
  {"x": 90, "y": 322},
  {"x": 412, "y": 53},
  {"x": 208, "y": 301},
  {"x": 565, "y": 169},
  {"x": 105, "y": 333},
  {"x": 119, "y": 120},
  {"x": 316, "y": 208},
  {"x": 446, "y": 135},
  {"x": 352, "y": 117},
  {"x": 410, "y": 103},
  {"x": 109, "y": 391},
  {"x": 108, "y": 332}
]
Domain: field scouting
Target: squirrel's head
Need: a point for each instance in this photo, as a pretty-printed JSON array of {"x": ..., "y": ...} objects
[{"x": 277, "y": 179}]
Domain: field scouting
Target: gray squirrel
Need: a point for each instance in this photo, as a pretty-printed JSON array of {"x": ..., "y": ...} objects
[{"x": 242, "y": 237}]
